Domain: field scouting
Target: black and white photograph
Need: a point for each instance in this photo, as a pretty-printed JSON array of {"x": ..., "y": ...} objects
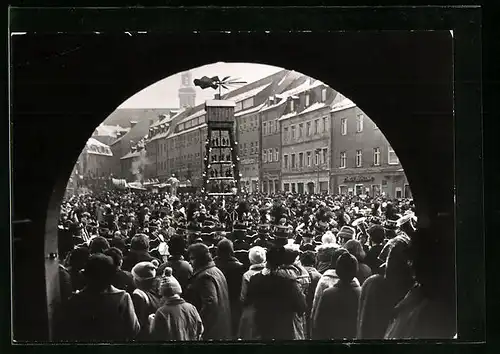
[{"x": 233, "y": 187}]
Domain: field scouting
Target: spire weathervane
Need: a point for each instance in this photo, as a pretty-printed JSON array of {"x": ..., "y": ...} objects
[{"x": 216, "y": 83}]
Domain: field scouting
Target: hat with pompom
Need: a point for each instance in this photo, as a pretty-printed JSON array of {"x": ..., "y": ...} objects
[
  {"x": 169, "y": 286},
  {"x": 145, "y": 270}
]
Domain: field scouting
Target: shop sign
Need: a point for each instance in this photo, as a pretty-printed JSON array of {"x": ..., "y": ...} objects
[{"x": 358, "y": 179}]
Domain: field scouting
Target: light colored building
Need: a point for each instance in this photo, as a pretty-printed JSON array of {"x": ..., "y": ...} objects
[
  {"x": 363, "y": 162},
  {"x": 305, "y": 138}
]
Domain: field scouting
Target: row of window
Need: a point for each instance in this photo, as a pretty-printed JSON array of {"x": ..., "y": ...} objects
[
  {"x": 190, "y": 124},
  {"x": 359, "y": 124},
  {"x": 310, "y": 128},
  {"x": 392, "y": 158},
  {"x": 305, "y": 159},
  {"x": 267, "y": 155},
  {"x": 245, "y": 104}
]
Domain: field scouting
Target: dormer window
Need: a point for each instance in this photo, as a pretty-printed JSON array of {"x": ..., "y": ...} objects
[
  {"x": 307, "y": 100},
  {"x": 292, "y": 105}
]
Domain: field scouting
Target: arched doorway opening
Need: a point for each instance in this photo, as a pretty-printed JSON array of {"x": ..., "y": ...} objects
[{"x": 391, "y": 107}]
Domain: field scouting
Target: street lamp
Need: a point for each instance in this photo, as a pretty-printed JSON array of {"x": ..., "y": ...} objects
[{"x": 318, "y": 151}]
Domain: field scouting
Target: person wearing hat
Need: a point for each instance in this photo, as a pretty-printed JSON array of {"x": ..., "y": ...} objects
[
  {"x": 208, "y": 291},
  {"x": 176, "y": 319},
  {"x": 307, "y": 242},
  {"x": 76, "y": 262},
  {"x": 325, "y": 251},
  {"x": 308, "y": 259},
  {"x": 100, "y": 312},
  {"x": 263, "y": 238},
  {"x": 381, "y": 293},
  {"x": 336, "y": 315},
  {"x": 139, "y": 252},
  {"x": 345, "y": 234},
  {"x": 233, "y": 271},
  {"x": 277, "y": 300},
  {"x": 146, "y": 296}
]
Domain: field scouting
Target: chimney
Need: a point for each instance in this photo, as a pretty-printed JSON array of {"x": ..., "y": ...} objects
[
  {"x": 217, "y": 96},
  {"x": 132, "y": 123},
  {"x": 133, "y": 148}
]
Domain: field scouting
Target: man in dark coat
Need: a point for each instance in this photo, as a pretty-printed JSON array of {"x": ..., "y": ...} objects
[
  {"x": 207, "y": 290},
  {"x": 122, "y": 279},
  {"x": 181, "y": 269},
  {"x": 276, "y": 299},
  {"x": 377, "y": 236},
  {"x": 233, "y": 270}
]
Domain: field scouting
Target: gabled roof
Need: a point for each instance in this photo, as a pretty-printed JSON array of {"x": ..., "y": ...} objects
[
  {"x": 343, "y": 104},
  {"x": 95, "y": 147},
  {"x": 192, "y": 116},
  {"x": 110, "y": 130}
]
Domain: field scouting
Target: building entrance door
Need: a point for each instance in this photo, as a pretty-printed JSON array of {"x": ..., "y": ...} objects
[
  {"x": 359, "y": 189},
  {"x": 310, "y": 188},
  {"x": 300, "y": 188}
]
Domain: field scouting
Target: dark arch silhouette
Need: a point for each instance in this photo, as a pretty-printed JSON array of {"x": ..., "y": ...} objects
[{"x": 65, "y": 86}]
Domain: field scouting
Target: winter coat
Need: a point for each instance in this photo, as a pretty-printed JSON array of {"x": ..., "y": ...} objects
[
  {"x": 376, "y": 304},
  {"x": 315, "y": 277},
  {"x": 277, "y": 300},
  {"x": 207, "y": 290},
  {"x": 254, "y": 269},
  {"x": 419, "y": 317},
  {"x": 337, "y": 312},
  {"x": 134, "y": 257},
  {"x": 372, "y": 259},
  {"x": 324, "y": 256},
  {"x": 176, "y": 320},
  {"x": 181, "y": 270},
  {"x": 298, "y": 273},
  {"x": 233, "y": 270},
  {"x": 327, "y": 280},
  {"x": 146, "y": 302},
  {"x": 100, "y": 317}
]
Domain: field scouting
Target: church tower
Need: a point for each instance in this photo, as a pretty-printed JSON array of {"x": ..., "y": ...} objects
[{"x": 187, "y": 92}]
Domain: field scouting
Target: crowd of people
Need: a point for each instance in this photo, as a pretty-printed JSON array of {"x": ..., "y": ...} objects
[{"x": 141, "y": 266}]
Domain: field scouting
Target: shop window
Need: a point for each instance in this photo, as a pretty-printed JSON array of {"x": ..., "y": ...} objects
[
  {"x": 375, "y": 190},
  {"x": 359, "y": 189},
  {"x": 286, "y": 187},
  {"x": 343, "y": 189},
  {"x": 294, "y": 190},
  {"x": 300, "y": 188}
]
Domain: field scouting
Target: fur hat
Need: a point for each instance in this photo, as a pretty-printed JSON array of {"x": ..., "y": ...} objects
[
  {"x": 169, "y": 285},
  {"x": 346, "y": 232},
  {"x": 144, "y": 271},
  {"x": 257, "y": 255}
]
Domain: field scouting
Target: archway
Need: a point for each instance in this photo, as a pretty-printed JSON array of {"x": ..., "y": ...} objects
[{"x": 393, "y": 105}]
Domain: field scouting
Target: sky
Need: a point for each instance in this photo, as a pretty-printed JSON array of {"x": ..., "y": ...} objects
[{"x": 164, "y": 93}]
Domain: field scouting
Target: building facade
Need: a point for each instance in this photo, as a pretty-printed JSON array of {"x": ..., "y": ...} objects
[
  {"x": 305, "y": 139},
  {"x": 362, "y": 160}
]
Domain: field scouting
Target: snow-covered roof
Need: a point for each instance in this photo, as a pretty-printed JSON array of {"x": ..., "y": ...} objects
[
  {"x": 313, "y": 107},
  {"x": 290, "y": 93},
  {"x": 247, "y": 94},
  {"x": 168, "y": 118},
  {"x": 110, "y": 130},
  {"x": 220, "y": 103},
  {"x": 288, "y": 115},
  {"x": 188, "y": 130},
  {"x": 192, "y": 116},
  {"x": 248, "y": 111},
  {"x": 344, "y": 104},
  {"x": 94, "y": 146},
  {"x": 131, "y": 154}
]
